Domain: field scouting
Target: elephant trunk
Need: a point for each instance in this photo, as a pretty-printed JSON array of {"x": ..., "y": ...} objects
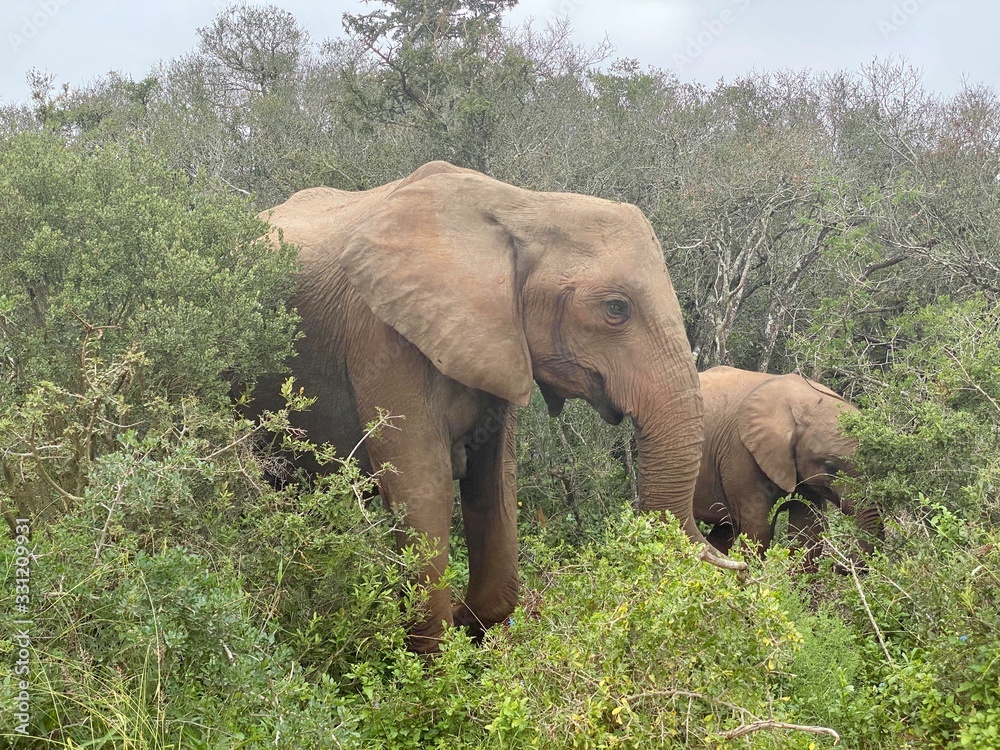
[
  {"x": 869, "y": 521},
  {"x": 669, "y": 434}
]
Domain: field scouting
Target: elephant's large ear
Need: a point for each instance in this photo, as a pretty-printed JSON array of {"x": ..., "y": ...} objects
[
  {"x": 432, "y": 262},
  {"x": 767, "y": 429}
]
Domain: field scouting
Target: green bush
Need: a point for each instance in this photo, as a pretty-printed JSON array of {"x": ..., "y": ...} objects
[
  {"x": 125, "y": 286},
  {"x": 925, "y": 616},
  {"x": 113, "y": 249},
  {"x": 927, "y": 628},
  {"x": 631, "y": 641},
  {"x": 930, "y": 420},
  {"x": 180, "y": 602}
]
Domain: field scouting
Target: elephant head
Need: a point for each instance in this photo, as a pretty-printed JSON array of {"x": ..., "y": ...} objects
[
  {"x": 791, "y": 427},
  {"x": 499, "y": 286}
]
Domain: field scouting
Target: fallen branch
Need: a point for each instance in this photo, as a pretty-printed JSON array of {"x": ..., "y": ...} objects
[
  {"x": 757, "y": 726},
  {"x": 848, "y": 564}
]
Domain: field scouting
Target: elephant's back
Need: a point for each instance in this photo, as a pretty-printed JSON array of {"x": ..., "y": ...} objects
[
  {"x": 724, "y": 385},
  {"x": 319, "y": 219}
]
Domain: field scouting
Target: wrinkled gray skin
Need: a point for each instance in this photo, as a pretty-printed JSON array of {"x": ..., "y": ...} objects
[
  {"x": 768, "y": 437},
  {"x": 440, "y": 298}
]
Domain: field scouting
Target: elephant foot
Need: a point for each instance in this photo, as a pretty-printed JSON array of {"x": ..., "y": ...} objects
[
  {"x": 466, "y": 618},
  {"x": 425, "y": 637},
  {"x": 423, "y": 644},
  {"x": 429, "y": 642}
]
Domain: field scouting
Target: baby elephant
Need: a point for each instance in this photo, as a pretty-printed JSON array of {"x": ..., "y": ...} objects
[{"x": 767, "y": 437}]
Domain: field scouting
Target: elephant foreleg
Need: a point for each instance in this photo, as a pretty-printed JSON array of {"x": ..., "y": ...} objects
[
  {"x": 489, "y": 510},
  {"x": 869, "y": 520},
  {"x": 805, "y": 524},
  {"x": 419, "y": 487},
  {"x": 425, "y": 498},
  {"x": 418, "y": 446},
  {"x": 751, "y": 513}
]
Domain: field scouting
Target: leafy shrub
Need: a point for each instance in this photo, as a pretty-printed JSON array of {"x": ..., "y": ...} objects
[
  {"x": 633, "y": 642},
  {"x": 924, "y": 621},
  {"x": 125, "y": 286},
  {"x": 930, "y": 419},
  {"x": 112, "y": 244},
  {"x": 834, "y": 684},
  {"x": 166, "y": 605},
  {"x": 128, "y": 292},
  {"x": 925, "y": 616},
  {"x": 323, "y": 564}
]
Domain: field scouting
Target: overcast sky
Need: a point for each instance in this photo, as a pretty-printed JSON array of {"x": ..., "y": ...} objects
[{"x": 700, "y": 40}]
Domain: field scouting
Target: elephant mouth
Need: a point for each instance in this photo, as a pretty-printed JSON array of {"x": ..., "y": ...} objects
[
  {"x": 595, "y": 395},
  {"x": 608, "y": 411},
  {"x": 601, "y": 401}
]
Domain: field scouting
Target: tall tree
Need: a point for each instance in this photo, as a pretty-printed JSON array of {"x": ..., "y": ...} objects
[
  {"x": 249, "y": 50},
  {"x": 438, "y": 66}
]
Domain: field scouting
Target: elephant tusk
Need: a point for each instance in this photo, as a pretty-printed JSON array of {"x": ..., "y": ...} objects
[{"x": 716, "y": 558}]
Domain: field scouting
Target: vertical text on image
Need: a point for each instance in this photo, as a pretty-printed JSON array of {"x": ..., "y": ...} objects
[{"x": 22, "y": 638}]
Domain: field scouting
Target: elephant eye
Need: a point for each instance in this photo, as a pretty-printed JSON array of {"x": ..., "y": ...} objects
[{"x": 616, "y": 310}]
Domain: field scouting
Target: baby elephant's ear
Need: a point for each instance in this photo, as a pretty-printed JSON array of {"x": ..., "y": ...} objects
[
  {"x": 767, "y": 429},
  {"x": 432, "y": 263}
]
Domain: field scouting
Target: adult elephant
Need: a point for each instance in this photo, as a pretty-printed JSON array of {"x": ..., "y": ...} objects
[
  {"x": 439, "y": 298},
  {"x": 768, "y": 437}
]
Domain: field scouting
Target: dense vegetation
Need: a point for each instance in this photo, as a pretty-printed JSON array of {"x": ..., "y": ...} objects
[{"x": 843, "y": 225}]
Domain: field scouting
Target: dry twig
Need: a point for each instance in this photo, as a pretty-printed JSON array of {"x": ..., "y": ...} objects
[{"x": 758, "y": 726}]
